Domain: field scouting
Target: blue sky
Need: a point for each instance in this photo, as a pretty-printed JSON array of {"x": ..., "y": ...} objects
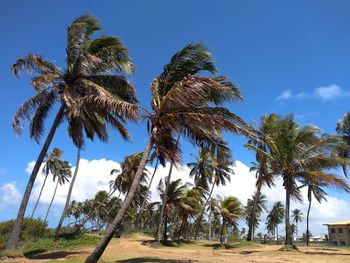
[{"x": 286, "y": 56}]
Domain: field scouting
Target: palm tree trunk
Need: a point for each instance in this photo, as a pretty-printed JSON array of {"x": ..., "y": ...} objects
[
  {"x": 165, "y": 233},
  {"x": 222, "y": 232},
  {"x": 65, "y": 209},
  {"x": 37, "y": 201},
  {"x": 13, "y": 241},
  {"x": 307, "y": 221},
  {"x": 53, "y": 197},
  {"x": 209, "y": 234},
  {"x": 182, "y": 226},
  {"x": 149, "y": 187},
  {"x": 196, "y": 232},
  {"x": 288, "y": 240},
  {"x": 164, "y": 199},
  {"x": 97, "y": 253},
  {"x": 250, "y": 235},
  {"x": 277, "y": 234}
]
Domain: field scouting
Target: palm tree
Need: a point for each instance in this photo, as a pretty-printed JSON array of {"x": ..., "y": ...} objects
[
  {"x": 215, "y": 170},
  {"x": 297, "y": 216},
  {"x": 255, "y": 207},
  {"x": 263, "y": 173},
  {"x": 275, "y": 217},
  {"x": 182, "y": 104},
  {"x": 296, "y": 152},
  {"x": 189, "y": 206},
  {"x": 212, "y": 209},
  {"x": 62, "y": 172},
  {"x": 343, "y": 130},
  {"x": 88, "y": 96},
  {"x": 314, "y": 188},
  {"x": 50, "y": 163},
  {"x": 230, "y": 210},
  {"x": 175, "y": 193}
]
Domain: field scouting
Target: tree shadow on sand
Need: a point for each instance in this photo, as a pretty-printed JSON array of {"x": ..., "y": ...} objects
[
  {"x": 153, "y": 260},
  {"x": 36, "y": 254}
]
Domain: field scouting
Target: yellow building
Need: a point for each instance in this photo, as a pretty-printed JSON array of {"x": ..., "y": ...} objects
[{"x": 339, "y": 232}]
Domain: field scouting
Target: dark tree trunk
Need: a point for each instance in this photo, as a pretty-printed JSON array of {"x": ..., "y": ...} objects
[
  {"x": 144, "y": 200},
  {"x": 13, "y": 241},
  {"x": 196, "y": 232},
  {"x": 307, "y": 218},
  {"x": 37, "y": 201},
  {"x": 97, "y": 253},
  {"x": 251, "y": 226},
  {"x": 164, "y": 200},
  {"x": 65, "y": 210},
  {"x": 165, "y": 233},
  {"x": 53, "y": 197},
  {"x": 222, "y": 232},
  {"x": 182, "y": 227},
  {"x": 288, "y": 240}
]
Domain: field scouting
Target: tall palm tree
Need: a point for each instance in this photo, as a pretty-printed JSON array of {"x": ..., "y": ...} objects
[
  {"x": 51, "y": 162},
  {"x": 263, "y": 173},
  {"x": 62, "y": 172},
  {"x": 275, "y": 217},
  {"x": 88, "y": 94},
  {"x": 296, "y": 152},
  {"x": 297, "y": 216},
  {"x": 314, "y": 188},
  {"x": 230, "y": 211},
  {"x": 183, "y": 104}
]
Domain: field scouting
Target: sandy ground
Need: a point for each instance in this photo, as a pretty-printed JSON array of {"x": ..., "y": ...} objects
[{"x": 139, "y": 249}]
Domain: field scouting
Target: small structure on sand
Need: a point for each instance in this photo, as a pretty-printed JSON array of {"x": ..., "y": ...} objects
[{"x": 339, "y": 232}]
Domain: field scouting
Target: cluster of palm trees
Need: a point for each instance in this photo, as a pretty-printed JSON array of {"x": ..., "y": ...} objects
[{"x": 92, "y": 95}]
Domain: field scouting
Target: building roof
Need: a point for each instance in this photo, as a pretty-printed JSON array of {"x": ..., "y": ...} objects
[{"x": 344, "y": 222}]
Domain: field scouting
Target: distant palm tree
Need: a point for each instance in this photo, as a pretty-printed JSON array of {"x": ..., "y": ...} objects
[
  {"x": 211, "y": 210},
  {"x": 50, "y": 163},
  {"x": 297, "y": 216},
  {"x": 275, "y": 217},
  {"x": 255, "y": 207},
  {"x": 215, "y": 169},
  {"x": 89, "y": 97},
  {"x": 314, "y": 188},
  {"x": 175, "y": 193},
  {"x": 182, "y": 104},
  {"x": 61, "y": 171},
  {"x": 230, "y": 210}
]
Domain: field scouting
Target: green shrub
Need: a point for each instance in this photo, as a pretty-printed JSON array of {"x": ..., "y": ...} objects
[{"x": 32, "y": 230}]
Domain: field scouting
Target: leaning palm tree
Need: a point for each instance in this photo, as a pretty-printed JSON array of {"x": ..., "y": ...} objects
[
  {"x": 62, "y": 172},
  {"x": 88, "y": 94},
  {"x": 297, "y": 216},
  {"x": 230, "y": 211},
  {"x": 182, "y": 104},
  {"x": 314, "y": 188},
  {"x": 50, "y": 163},
  {"x": 296, "y": 152}
]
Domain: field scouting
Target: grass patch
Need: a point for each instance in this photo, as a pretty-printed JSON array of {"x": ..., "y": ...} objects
[
  {"x": 11, "y": 253},
  {"x": 63, "y": 242}
]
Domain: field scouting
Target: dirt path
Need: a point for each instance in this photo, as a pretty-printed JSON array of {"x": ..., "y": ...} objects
[{"x": 139, "y": 249}]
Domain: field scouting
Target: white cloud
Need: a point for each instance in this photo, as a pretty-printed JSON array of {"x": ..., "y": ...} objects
[
  {"x": 329, "y": 92},
  {"x": 94, "y": 175},
  {"x": 324, "y": 93},
  {"x": 9, "y": 195}
]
